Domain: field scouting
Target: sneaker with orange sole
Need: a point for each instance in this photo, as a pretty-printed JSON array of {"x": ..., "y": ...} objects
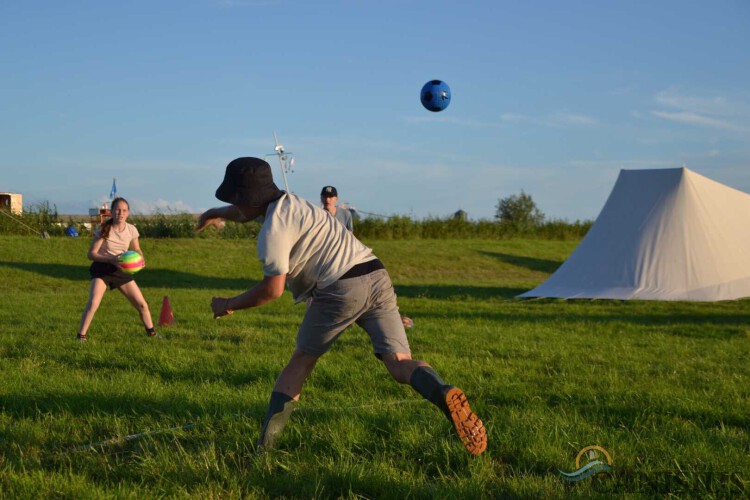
[{"x": 469, "y": 427}]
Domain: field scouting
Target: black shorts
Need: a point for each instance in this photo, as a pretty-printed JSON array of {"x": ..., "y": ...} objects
[{"x": 111, "y": 274}]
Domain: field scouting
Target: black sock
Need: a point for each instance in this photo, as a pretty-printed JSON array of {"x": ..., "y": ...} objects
[
  {"x": 276, "y": 405},
  {"x": 280, "y": 407},
  {"x": 150, "y": 331},
  {"x": 428, "y": 383}
]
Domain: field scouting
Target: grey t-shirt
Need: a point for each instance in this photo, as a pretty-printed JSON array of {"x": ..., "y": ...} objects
[
  {"x": 344, "y": 216},
  {"x": 304, "y": 242}
]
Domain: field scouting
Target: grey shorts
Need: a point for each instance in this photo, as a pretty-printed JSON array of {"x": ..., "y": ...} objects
[{"x": 368, "y": 301}]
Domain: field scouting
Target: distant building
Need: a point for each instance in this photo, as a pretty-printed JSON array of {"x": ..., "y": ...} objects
[
  {"x": 12, "y": 201},
  {"x": 460, "y": 215},
  {"x": 101, "y": 213}
]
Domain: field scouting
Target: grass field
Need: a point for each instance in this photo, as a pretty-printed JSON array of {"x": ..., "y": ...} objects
[{"x": 664, "y": 387}]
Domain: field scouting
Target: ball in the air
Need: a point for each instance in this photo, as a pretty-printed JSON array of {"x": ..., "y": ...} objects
[
  {"x": 131, "y": 262},
  {"x": 435, "y": 95}
]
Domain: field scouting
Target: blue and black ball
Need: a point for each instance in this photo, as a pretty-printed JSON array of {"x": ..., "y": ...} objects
[{"x": 435, "y": 95}]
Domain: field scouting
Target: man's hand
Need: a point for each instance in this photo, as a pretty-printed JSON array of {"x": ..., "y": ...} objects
[
  {"x": 207, "y": 219},
  {"x": 216, "y": 217},
  {"x": 266, "y": 291},
  {"x": 220, "y": 307}
]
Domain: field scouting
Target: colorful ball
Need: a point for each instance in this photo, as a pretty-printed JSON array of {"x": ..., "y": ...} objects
[
  {"x": 131, "y": 262},
  {"x": 435, "y": 95}
]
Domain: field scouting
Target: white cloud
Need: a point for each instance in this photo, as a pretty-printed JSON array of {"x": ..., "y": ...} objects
[
  {"x": 697, "y": 119},
  {"x": 717, "y": 112},
  {"x": 626, "y": 89},
  {"x": 569, "y": 119},
  {"x": 558, "y": 120},
  {"x": 144, "y": 207},
  {"x": 247, "y": 3},
  {"x": 513, "y": 117},
  {"x": 436, "y": 118},
  {"x": 712, "y": 105},
  {"x": 614, "y": 165}
]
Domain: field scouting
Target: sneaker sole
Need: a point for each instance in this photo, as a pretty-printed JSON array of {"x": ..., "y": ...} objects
[{"x": 469, "y": 427}]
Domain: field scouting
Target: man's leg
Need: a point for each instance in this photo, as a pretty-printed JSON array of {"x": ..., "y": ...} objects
[
  {"x": 331, "y": 311},
  {"x": 383, "y": 324},
  {"x": 451, "y": 400},
  {"x": 285, "y": 394}
]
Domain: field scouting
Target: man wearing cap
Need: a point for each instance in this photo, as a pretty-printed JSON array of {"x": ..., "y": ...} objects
[
  {"x": 301, "y": 247},
  {"x": 328, "y": 198}
]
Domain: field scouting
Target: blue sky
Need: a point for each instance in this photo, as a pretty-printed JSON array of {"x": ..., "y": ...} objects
[{"x": 549, "y": 97}]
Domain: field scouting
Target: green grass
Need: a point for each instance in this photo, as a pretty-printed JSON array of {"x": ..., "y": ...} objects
[{"x": 664, "y": 387}]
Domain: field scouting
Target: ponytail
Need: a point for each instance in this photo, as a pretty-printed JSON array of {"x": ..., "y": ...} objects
[{"x": 106, "y": 228}]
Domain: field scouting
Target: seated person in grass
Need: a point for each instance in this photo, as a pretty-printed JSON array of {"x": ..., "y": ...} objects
[
  {"x": 302, "y": 247},
  {"x": 115, "y": 237}
]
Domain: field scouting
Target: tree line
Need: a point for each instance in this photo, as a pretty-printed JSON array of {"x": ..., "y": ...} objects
[{"x": 516, "y": 216}]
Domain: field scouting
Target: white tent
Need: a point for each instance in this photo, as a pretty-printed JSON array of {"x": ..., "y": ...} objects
[{"x": 668, "y": 234}]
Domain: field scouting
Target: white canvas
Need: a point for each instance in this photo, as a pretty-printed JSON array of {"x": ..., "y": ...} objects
[{"x": 668, "y": 234}]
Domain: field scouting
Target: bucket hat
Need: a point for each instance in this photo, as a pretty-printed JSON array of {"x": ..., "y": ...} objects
[{"x": 248, "y": 181}]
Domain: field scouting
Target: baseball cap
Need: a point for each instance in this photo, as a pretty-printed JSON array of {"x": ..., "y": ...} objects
[{"x": 329, "y": 191}]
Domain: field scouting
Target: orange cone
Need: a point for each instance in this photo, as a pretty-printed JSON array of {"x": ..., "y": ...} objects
[{"x": 166, "y": 316}]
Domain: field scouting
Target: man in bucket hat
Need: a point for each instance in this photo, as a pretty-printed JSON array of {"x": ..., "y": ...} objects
[{"x": 301, "y": 247}]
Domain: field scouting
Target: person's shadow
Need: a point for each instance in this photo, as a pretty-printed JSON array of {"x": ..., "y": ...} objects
[{"x": 149, "y": 278}]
